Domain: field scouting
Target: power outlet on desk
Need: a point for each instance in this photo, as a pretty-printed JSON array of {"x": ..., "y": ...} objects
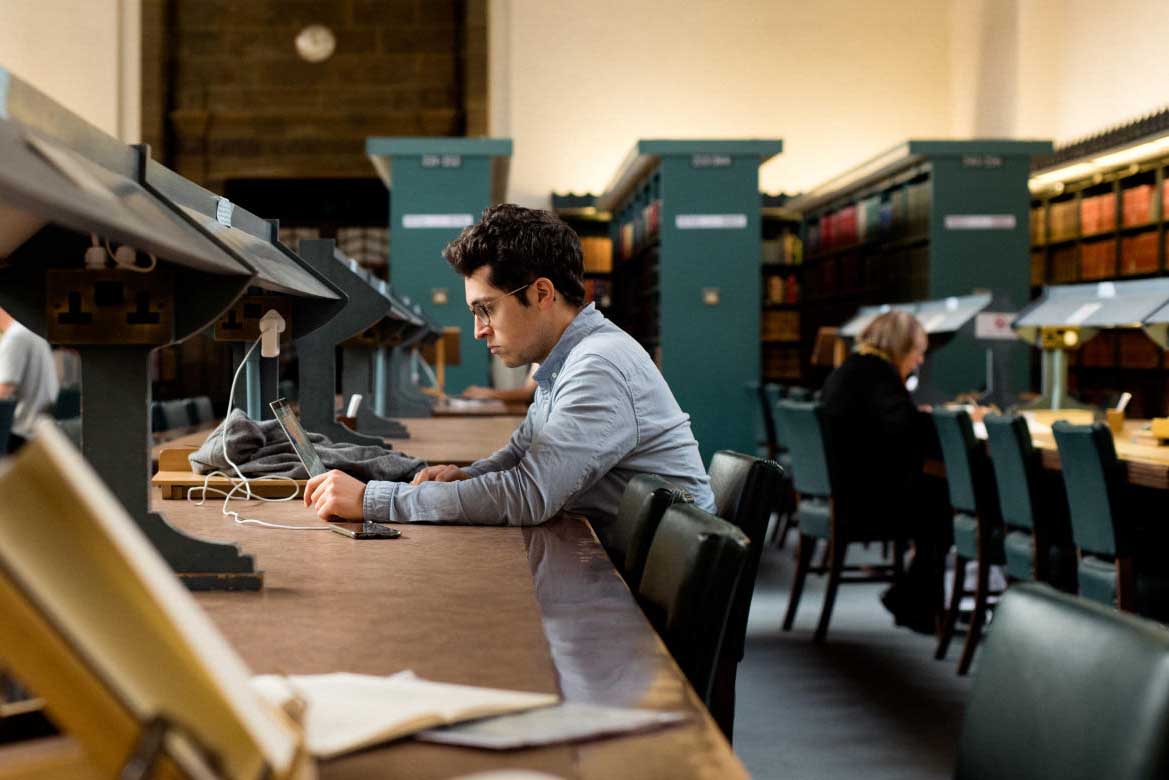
[{"x": 109, "y": 306}]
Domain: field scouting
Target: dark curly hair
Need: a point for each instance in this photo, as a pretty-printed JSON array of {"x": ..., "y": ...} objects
[{"x": 520, "y": 245}]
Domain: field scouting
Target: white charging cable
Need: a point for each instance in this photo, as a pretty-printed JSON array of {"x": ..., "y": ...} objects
[{"x": 240, "y": 481}]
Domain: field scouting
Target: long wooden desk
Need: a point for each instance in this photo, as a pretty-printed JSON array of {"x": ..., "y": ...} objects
[
  {"x": 462, "y": 407},
  {"x": 457, "y": 440},
  {"x": 1146, "y": 461},
  {"x": 537, "y": 609}
]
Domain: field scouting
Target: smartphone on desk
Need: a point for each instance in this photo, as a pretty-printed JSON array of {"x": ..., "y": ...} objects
[{"x": 365, "y": 530}]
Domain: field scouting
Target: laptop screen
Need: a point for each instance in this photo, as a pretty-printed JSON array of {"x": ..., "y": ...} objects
[{"x": 300, "y": 442}]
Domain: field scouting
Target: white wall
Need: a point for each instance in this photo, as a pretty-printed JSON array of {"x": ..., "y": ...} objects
[
  {"x": 85, "y": 54},
  {"x": 1115, "y": 66},
  {"x": 837, "y": 80},
  {"x": 1058, "y": 69}
]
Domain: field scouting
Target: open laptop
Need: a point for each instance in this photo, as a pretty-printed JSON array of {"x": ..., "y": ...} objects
[{"x": 311, "y": 459}]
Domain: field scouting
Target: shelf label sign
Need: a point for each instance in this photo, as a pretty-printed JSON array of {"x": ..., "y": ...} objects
[
  {"x": 994, "y": 326},
  {"x": 980, "y": 222},
  {"x": 982, "y": 161},
  {"x": 417, "y": 221},
  {"x": 710, "y": 161},
  {"x": 710, "y": 221},
  {"x": 442, "y": 161}
]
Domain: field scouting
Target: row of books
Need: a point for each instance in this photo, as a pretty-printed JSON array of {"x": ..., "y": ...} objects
[
  {"x": 780, "y": 326},
  {"x": 368, "y": 245},
  {"x": 788, "y": 249},
  {"x": 1139, "y": 254},
  {"x": 781, "y": 363},
  {"x": 781, "y": 289},
  {"x": 898, "y": 213},
  {"x": 642, "y": 228},
  {"x": 902, "y": 275},
  {"x": 598, "y": 291},
  {"x": 1094, "y": 214},
  {"x": 598, "y": 254},
  {"x": 1127, "y": 349}
]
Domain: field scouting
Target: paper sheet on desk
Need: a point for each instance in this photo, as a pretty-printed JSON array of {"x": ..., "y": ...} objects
[
  {"x": 346, "y": 712},
  {"x": 567, "y": 722}
]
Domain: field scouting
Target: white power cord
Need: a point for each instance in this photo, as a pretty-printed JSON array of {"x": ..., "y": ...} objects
[
  {"x": 240, "y": 481},
  {"x": 124, "y": 258}
]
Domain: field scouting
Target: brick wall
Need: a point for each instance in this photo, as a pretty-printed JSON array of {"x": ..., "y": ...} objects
[{"x": 225, "y": 95}]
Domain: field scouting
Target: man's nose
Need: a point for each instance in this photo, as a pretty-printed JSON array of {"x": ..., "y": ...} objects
[{"x": 481, "y": 329}]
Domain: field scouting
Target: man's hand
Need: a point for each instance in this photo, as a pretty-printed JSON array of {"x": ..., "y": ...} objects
[
  {"x": 335, "y": 494},
  {"x": 446, "y": 473}
]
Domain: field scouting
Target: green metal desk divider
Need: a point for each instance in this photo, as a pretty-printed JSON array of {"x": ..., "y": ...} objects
[
  {"x": 439, "y": 186},
  {"x": 686, "y": 244}
]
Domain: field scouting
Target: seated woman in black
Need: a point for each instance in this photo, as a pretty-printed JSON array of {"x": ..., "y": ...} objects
[{"x": 876, "y": 442}]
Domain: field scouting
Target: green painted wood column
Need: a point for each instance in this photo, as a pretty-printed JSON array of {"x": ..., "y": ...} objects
[
  {"x": 438, "y": 186},
  {"x": 694, "y": 206},
  {"x": 980, "y": 239}
]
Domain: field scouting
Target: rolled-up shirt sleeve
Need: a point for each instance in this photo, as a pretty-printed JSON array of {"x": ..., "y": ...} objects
[{"x": 590, "y": 428}]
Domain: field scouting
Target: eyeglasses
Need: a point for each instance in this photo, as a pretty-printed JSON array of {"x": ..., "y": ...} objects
[{"x": 482, "y": 309}]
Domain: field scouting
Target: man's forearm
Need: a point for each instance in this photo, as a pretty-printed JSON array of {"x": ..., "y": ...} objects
[{"x": 8, "y": 389}]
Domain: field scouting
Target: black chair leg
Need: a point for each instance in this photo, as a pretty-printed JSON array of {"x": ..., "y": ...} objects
[
  {"x": 722, "y": 697},
  {"x": 807, "y": 545},
  {"x": 974, "y": 634},
  {"x": 958, "y": 587},
  {"x": 785, "y": 525},
  {"x": 836, "y": 569}
]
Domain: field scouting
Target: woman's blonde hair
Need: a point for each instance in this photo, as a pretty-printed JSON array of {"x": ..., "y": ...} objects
[{"x": 894, "y": 333}]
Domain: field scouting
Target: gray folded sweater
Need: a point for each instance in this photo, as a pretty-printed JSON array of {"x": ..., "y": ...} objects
[{"x": 261, "y": 449}]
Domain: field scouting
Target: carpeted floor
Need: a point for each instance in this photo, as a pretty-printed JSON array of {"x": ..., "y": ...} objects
[{"x": 870, "y": 702}]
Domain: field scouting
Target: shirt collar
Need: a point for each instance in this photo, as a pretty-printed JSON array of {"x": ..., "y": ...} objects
[{"x": 584, "y": 323}]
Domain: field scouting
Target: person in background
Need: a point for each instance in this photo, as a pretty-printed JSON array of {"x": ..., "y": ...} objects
[
  {"x": 876, "y": 441},
  {"x": 522, "y": 394},
  {"x": 602, "y": 414},
  {"x": 27, "y": 374}
]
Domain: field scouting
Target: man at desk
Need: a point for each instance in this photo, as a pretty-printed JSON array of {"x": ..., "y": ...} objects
[
  {"x": 27, "y": 374},
  {"x": 602, "y": 413}
]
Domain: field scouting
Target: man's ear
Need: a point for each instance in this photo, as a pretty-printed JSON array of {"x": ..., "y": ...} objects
[{"x": 545, "y": 291}]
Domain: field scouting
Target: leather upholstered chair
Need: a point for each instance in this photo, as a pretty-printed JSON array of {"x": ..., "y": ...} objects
[
  {"x": 819, "y": 518},
  {"x": 68, "y": 403},
  {"x": 688, "y": 587},
  {"x": 1096, "y": 486},
  {"x": 7, "y": 414},
  {"x": 175, "y": 414},
  {"x": 1067, "y": 688},
  {"x": 746, "y": 490},
  {"x": 199, "y": 410},
  {"x": 1038, "y": 540},
  {"x": 627, "y": 539},
  {"x": 978, "y": 526}
]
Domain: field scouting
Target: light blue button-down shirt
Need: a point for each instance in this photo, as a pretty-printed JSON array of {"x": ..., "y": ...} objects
[{"x": 602, "y": 414}]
